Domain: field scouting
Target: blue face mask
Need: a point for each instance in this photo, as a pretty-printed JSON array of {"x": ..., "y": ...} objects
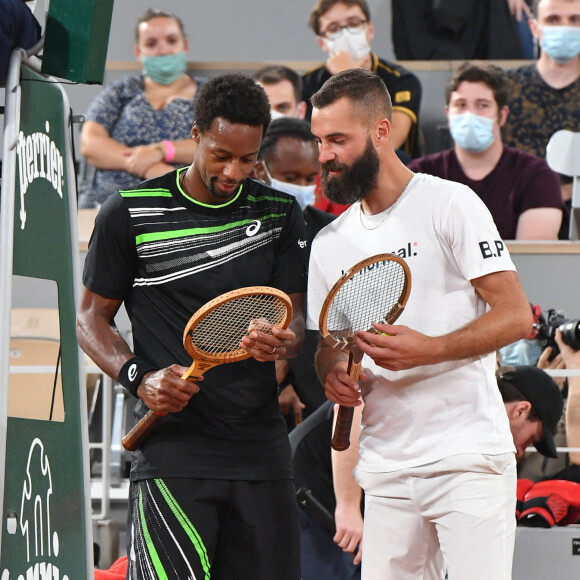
[
  {"x": 472, "y": 132},
  {"x": 164, "y": 69},
  {"x": 562, "y": 43},
  {"x": 522, "y": 352}
]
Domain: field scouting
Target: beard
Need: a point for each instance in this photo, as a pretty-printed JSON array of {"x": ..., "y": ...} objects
[{"x": 356, "y": 181}]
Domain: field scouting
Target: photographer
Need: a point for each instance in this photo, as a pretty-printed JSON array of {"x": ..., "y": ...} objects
[{"x": 567, "y": 358}]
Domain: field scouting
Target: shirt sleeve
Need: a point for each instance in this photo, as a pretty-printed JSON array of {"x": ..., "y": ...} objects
[
  {"x": 472, "y": 236},
  {"x": 110, "y": 264},
  {"x": 317, "y": 287}
]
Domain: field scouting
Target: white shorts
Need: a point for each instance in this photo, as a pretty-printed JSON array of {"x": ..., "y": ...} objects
[{"x": 456, "y": 515}]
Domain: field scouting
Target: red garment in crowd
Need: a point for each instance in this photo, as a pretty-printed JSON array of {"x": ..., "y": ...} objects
[{"x": 117, "y": 571}]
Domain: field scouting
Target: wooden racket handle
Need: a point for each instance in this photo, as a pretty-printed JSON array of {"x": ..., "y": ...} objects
[
  {"x": 341, "y": 437},
  {"x": 139, "y": 433}
]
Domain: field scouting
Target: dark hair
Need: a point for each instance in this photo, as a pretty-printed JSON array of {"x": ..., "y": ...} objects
[
  {"x": 152, "y": 13},
  {"x": 492, "y": 75},
  {"x": 323, "y": 6},
  {"x": 235, "y": 97},
  {"x": 534, "y": 7},
  {"x": 285, "y": 127},
  {"x": 365, "y": 90},
  {"x": 273, "y": 74},
  {"x": 509, "y": 393}
]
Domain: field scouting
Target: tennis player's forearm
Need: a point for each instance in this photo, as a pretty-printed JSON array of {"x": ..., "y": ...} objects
[
  {"x": 97, "y": 334},
  {"x": 104, "y": 345},
  {"x": 508, "y": 319},
  {"x": 488, "y": 333}
]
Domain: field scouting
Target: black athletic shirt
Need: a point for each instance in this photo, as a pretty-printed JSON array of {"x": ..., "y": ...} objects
[{"x": 165, "y": 256}]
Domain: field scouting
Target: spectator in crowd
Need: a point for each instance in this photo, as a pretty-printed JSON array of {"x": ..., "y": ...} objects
[
  {"x": 457, "y": 29},
  {"x": 140, "y": 126},
  {"x": 18, "y": 28},
  {"x": 211, "y": 487},
  {"x": 332, "y": 548},
  {"x": 288, "y": 161},
  {"x": 284, "y": 89},
  {"x": 344, "y": 31},
  {"x": 545, "y": 94},
  {"x": 520, "y": 190}
]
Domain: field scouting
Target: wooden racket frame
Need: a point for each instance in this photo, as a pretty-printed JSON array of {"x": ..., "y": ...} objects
[
  {"x": 341, "y": 436},
  {"x": 202, "y": 360}
]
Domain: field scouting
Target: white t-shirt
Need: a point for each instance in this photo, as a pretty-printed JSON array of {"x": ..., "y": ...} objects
[{"x": 447, "y": 237}]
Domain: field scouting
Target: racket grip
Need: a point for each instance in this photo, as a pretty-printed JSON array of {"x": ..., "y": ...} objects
[
  {"x": 341, "y": 437},
  {"x": 139, "y": 433}
]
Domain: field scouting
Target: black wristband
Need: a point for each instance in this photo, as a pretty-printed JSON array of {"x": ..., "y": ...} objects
[
  {"x": 287, "y": 380},
  {"x": 132, "y": 373}
]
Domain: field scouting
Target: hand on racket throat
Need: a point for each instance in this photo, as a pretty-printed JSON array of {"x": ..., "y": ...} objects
[{"x": 277, "y": 343}]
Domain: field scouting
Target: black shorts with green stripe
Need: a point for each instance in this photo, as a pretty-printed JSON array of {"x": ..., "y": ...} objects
[{"x": 213, "y": 529}]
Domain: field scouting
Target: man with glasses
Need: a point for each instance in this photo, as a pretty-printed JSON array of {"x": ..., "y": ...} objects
[{"x": 344, "y": 30}]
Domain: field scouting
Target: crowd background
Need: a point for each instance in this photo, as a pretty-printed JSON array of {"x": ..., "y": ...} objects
[{"x": 225, "y": 37}]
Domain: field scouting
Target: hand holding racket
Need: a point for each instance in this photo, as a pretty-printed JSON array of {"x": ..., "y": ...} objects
[
  {"x": 214, "y": 333},
  {"x": 374, "y": 290}
]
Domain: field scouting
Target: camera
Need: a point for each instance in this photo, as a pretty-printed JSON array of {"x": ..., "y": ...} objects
[{"x": 546, "y": 328}]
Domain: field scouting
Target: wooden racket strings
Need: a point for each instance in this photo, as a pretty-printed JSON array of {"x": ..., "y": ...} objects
[
  {"x": 373, "y": 294},
  {"x": 220, "y": 331}
]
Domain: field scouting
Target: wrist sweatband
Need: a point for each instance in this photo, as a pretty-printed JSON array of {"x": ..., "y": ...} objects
[
  {"x": 169, "y": 151},
  {"x": 132, "y": 373},
  {"x": 287, "y": 380}
]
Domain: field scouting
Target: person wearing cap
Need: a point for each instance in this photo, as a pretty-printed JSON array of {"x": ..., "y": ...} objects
[{"x": 534, "y": 406}]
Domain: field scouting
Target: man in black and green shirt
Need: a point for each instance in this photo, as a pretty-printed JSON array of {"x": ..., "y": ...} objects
[{"x": 211, "y": 488}]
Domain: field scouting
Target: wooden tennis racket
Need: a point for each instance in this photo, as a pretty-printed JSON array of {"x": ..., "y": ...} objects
[
  {"x": 374, "y": 290},
  {"x": 213, "y": 334}
]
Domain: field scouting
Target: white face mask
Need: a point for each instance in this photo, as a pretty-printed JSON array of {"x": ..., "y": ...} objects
[
  {"x": 278, "y": 115},
  {"x": 304, "y": 194},
  {"x": 355, "y": 43}
]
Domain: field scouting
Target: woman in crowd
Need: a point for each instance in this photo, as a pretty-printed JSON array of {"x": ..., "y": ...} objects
[{"x": 140, "y": 126}]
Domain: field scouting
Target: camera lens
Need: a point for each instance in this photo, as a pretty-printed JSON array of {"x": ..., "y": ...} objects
[{"x": 571, "y": 333}]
